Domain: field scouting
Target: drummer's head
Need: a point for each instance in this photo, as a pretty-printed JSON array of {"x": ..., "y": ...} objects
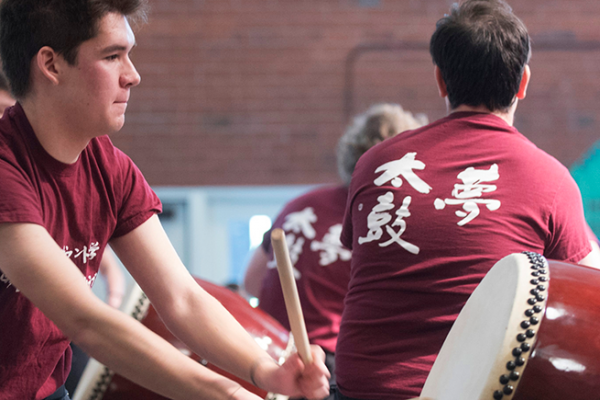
[
  {"x": 481, "y": 50},
  {"x": 28, "y": 25},
  {"x": 379, "y": 122}
]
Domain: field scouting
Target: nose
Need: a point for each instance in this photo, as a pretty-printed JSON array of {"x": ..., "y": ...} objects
[{"x": 130, "y": 77}]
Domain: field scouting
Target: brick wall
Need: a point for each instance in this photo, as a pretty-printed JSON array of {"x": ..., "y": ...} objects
[{"x": 241, "y": 92}]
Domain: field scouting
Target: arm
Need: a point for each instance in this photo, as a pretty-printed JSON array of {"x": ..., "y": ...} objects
[
  {"x": 108, "y": 335},
  {"x": 593, "y": 258},
  {"x": 203, "y": 323},
  {"x": 115, "y": 280},
  {"x": 255, "y": 272},
  {"x": 572, "y": 235}
]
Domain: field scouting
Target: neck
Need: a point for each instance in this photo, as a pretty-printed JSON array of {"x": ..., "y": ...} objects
[
  {"x": 52, "y": 129},
  {"x": 507, "y": 116}
]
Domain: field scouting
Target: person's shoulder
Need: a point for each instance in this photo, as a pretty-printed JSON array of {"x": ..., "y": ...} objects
[
  {"x": 8, "y": 129},
  {"x": 14, "y": 142},
  {"x": 317, "y": 197},
  {"x": 7, "y": 135},
  {"x": 529, "y": 153},
  {"x": 324, "y": 190},
  {"x": 403, "y": 140},
  {"x": 311, "y": 195}
]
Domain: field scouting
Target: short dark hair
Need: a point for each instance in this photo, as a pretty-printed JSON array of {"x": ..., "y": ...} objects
[
  {"x": 481, "y": 49},
  {"x": 28, "y": 25}
]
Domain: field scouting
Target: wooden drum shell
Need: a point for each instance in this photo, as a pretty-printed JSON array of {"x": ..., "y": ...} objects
[
  {"x": 529, "y": 331},
  {"x": 565, "y": 361}
]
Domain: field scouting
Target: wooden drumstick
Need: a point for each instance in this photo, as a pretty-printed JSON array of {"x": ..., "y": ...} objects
[{"x": 290, "y": 294}]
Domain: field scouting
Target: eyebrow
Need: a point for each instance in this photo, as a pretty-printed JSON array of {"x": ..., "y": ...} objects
[{"x": 116, "y": 48}]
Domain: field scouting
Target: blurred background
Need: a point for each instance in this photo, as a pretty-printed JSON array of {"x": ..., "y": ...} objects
[{"x": 242, "y": 103}]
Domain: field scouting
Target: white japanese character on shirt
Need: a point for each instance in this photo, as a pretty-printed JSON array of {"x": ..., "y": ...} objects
[
  {"x": 403, "y": 167},
  {"x": 301, "y": 222},
  {"x": 379, "y": 217},
  {"x": 331, "y": 247},
  {"x": 468, "y": 192},
  {"x": 395, "y": 236},
  {"x": 68, "y": 252},
  {"x": 91, "y": 279},
  {"x": 4, "y": 279},
  {"x": 87, "y": 253}
]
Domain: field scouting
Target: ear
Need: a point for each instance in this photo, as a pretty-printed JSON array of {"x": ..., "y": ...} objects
[
  {"x": 441, "y": 84},
  {"x": 49, "y": 64},
  {"x": 524, "y": 83}
]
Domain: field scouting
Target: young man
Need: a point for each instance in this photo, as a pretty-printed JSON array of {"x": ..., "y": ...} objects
[
  {"x": 312, "y": 223},
  {"x": 431, "y": 210},
  {"x": 66, "y": 192},
  {"x": 109, "y": 269}
]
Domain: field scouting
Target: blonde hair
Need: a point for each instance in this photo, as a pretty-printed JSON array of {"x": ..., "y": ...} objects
[{"x": 379, "y": 122}]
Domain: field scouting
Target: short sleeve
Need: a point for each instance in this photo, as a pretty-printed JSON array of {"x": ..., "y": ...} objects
[
  {"x": 138, "y": 201},
  {"x": 19, "y": 201},
  {"x": 568, "y": 239}
]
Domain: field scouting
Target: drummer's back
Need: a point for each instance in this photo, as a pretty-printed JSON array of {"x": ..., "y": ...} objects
[{"x": 429, "y": 213}]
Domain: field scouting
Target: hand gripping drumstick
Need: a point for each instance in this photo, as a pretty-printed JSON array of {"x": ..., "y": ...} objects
[{"x": 290, "y": 294}]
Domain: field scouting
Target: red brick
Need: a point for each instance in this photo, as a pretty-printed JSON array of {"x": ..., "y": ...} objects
[{"x": 255, "y": 92}]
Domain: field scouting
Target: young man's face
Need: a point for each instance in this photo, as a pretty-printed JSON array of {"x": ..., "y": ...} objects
[{"x": 96, "y": 89}]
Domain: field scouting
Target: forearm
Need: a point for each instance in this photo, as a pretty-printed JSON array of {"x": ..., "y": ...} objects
[
  {"x": 191, "y": 314},
  {"x": 209, "y": 330},
  {"x": 201, "y": 322},
  {"x": 222, "y": 341},
  {"x": 124, "y": 345},
  {"x": 115, "y": 279},
  {"x": 108, "y": 335}
]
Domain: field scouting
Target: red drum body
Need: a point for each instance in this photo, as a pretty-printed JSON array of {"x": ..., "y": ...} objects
[
  {"x": 565, "y": 362},
  {"x": 530, "y": 331},
  {"x": 99, "y": 383}
]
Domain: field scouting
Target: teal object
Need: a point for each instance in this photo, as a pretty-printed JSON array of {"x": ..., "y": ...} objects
[{"x": 586, "y": 173}]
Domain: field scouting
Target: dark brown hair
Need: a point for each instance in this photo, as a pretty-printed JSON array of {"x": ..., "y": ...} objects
[
  {"x": 28, "y": 25},
  {"x": 481, "y": 49}
]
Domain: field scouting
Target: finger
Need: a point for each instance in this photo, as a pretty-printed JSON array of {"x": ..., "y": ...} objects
[
  {"x": 294, "y": 362},
  {"x": 317, "y": 352},
  {"x": 315, "y": 381},
  {"x": 319, "y": 361},
  {"x": 315, "y": 371},
  {"x": 319, "y": 392}
]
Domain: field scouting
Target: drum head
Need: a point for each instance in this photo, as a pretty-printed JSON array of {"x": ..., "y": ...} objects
[{"x": 492, "y": 336}]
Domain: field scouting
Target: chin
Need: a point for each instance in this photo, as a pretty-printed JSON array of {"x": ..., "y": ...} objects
[{"x": 117, "y": 125}]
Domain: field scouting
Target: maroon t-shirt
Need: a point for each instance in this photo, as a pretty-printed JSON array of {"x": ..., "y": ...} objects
[
  {"x": 312, "y": 225},
  {"x": 82, "y": 206},
  {"x": 429, "y": 213}
]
